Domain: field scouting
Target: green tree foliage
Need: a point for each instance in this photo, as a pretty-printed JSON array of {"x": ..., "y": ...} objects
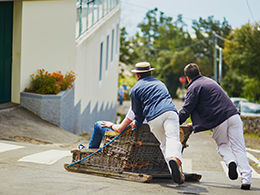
[
  {"x": 162, "y": 43},
  {"x": 205, "y": 40},
  {"x": 232, "y": 83},
  {"x": 251, "y": 89},
  {"x": 127, "y": 53},
  {"x": 169, "y": 48},
  {"x": 242, "y": 53}
]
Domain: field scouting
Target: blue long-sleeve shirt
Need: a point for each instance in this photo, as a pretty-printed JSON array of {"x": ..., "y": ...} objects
[
  {"x": 207, "y": 103},
  {"x": 150, "y": 98}
]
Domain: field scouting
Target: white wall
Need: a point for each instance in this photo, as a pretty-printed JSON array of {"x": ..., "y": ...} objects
[
  {"x": 47, "y": 37},
  {"x": 88, "y": 64},
  {"x": 44, "y": 37}
]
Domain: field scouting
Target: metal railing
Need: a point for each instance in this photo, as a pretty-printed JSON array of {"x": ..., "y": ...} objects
[{"x": 90, "y": 12}]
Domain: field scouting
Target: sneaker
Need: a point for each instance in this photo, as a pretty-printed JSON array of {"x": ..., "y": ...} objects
[
  {"x": 232, "y": 171},
  {"x": 245, "y": 186},
  {"x": 81, "y": 146},
  {"x": 177, "y": 176}
]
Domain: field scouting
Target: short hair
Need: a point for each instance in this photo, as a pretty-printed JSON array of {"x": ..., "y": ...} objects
[
  {"x": 145, "y": 74},
  {"x": 191, "y": 70}
]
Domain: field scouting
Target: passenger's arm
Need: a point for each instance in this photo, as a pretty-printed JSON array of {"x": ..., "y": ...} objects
[{"x": 120, "y": 127}]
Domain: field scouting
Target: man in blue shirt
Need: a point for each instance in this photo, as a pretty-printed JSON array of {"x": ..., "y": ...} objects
[
  {"x": 211, "y": 109},
  {"x": 151, "y": 100}
]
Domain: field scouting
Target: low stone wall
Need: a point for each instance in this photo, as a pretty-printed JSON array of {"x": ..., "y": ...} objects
[
  {"x": 60, "y": 110},
  {"x": 56, "y": 109},
  {"x": 251, "y": 125}
]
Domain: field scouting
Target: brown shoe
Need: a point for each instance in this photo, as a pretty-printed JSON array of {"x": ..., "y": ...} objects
[{"x": 177, "y": 176}]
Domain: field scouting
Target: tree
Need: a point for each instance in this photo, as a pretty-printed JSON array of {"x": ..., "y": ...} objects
[
  {"x": 169, "y": 48},
  {"x": 232, "y": 83},
  {"x": 242, "y": 53},
  {"x": 163, "y": 39},
  {"x": 205, "y": 41},
  {"x": 127, "y": 53}
]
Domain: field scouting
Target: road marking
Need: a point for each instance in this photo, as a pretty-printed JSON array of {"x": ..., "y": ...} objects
[
  {"x": 253, "y": 150},
  {"x": 48, "y": 157},
  {"x": 187, "y": 165},
  {"x": 251, "y": 157},
  {"x": 254, "y": 173},
  {"x": 7, "y": 147}
]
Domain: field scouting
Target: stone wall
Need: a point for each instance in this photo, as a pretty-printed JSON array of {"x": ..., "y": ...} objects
[
  {"x": 56, "y": 109},
  {"x": 60, "y": 110},
  {"x": 251, "y": 125}
]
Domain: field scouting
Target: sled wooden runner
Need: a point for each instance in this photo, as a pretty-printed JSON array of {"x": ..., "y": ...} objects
[{"x": 134, "y": 156}]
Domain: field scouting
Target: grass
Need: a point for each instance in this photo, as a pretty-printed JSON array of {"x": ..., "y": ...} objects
[
  {"x": 256, "y": 136},
  {"x": 87, "y": 136}
]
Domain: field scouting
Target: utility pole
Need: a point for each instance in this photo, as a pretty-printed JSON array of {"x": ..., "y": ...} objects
[
  {"x": 215, "y": 64},
  {"x": 219, "y": 65},
  {"x": 218, "y": 73}
]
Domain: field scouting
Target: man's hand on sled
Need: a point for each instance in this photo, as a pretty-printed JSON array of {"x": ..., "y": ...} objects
[
  {"x": 132, "y": 124},
  {"x": 189, "y": 124},
  {"x": 107, "y": 124}
]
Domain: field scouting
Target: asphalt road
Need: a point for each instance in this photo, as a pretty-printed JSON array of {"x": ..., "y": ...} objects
[{"x": 38, "y": 169}]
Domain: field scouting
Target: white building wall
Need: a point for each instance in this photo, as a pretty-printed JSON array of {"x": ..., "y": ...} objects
[
  {"x": 47, "y": 37},
  {"x": 44, "y": 38},
  {"x": 88, "y": 64}
]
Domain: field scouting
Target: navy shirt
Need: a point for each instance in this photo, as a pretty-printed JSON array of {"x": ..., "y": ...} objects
[
  {"x": 150, "y": 98},
  {"x": 207, "y": 103}
]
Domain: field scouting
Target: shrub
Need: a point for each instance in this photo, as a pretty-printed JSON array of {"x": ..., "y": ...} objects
[{"x": 47, "y": 83}]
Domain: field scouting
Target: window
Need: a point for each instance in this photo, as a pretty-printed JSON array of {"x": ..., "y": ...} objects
[
  {"x": 117, "y": 36},
  {"x": 107, "y": 52},
  {"x": 101, "y": 61},
  {"x": 112, "y": 46}
]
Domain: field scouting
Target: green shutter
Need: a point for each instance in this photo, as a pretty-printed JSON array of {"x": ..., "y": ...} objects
[{"x": 6, "y": 34}]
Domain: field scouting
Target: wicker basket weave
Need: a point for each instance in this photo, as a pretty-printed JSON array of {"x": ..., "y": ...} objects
[{"x": 134, "y": 151}]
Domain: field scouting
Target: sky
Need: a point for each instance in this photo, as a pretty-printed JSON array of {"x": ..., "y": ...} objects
[{"x": 236, "y": 12}]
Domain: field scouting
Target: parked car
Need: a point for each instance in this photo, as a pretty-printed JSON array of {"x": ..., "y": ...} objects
[
  {"x": 249, "y": 109},
  {"x": 236, "y": 100}
]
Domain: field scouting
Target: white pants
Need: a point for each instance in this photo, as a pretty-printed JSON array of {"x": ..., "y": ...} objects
[
  {"x": 230, "y": 133},
  {"x": 166, "y": 129}
]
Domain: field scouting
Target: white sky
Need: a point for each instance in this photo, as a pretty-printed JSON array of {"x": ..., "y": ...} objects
[{"x": 236, "y": 12}]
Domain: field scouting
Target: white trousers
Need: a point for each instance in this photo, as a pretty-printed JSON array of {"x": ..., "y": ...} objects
[
  {"x": 231, "y": 145},
  {"x": 166, "y": 129}
]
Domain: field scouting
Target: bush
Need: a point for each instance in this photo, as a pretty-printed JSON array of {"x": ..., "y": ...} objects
[{"x": 47, "y": 83}]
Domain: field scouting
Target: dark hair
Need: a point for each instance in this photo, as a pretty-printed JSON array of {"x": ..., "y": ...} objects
[
  {"x": 191, "y": 70},
  {"x": 145, "y": 74}
]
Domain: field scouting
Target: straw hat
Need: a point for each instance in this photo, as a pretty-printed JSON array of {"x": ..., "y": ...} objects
[{"x": 141, "y": 67}]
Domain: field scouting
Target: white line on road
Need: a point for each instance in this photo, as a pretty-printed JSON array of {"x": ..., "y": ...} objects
[
  {"x": 251, "y": 157},
  {"x": 7, "y": 147},
  {"x": 254, "y": 173},
  {"x": 253, "y": 150},
  {"x": 48, "y": 157}
]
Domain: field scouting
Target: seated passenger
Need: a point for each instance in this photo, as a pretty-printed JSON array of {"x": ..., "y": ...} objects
[{"x": 101, "y": 127}]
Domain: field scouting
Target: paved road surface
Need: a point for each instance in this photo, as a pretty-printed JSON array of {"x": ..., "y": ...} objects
[{"x": 38, "y": 169}]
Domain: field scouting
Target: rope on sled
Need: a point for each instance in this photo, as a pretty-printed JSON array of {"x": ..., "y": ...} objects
[{"x": 101, "y": 148}]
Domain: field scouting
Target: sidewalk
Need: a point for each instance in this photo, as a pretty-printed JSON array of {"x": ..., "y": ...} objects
[
  {"x": 17, "y": 123},
  {"x": 122, "y": 109}
]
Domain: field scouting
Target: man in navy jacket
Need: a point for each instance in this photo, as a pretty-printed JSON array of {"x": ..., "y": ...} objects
[
  {"x": 211, "y": 109},
  {"x": 151, "y": 100}
]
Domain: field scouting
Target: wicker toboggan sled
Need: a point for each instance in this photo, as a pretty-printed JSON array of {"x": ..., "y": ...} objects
[{"x": 134, "y": 155}]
